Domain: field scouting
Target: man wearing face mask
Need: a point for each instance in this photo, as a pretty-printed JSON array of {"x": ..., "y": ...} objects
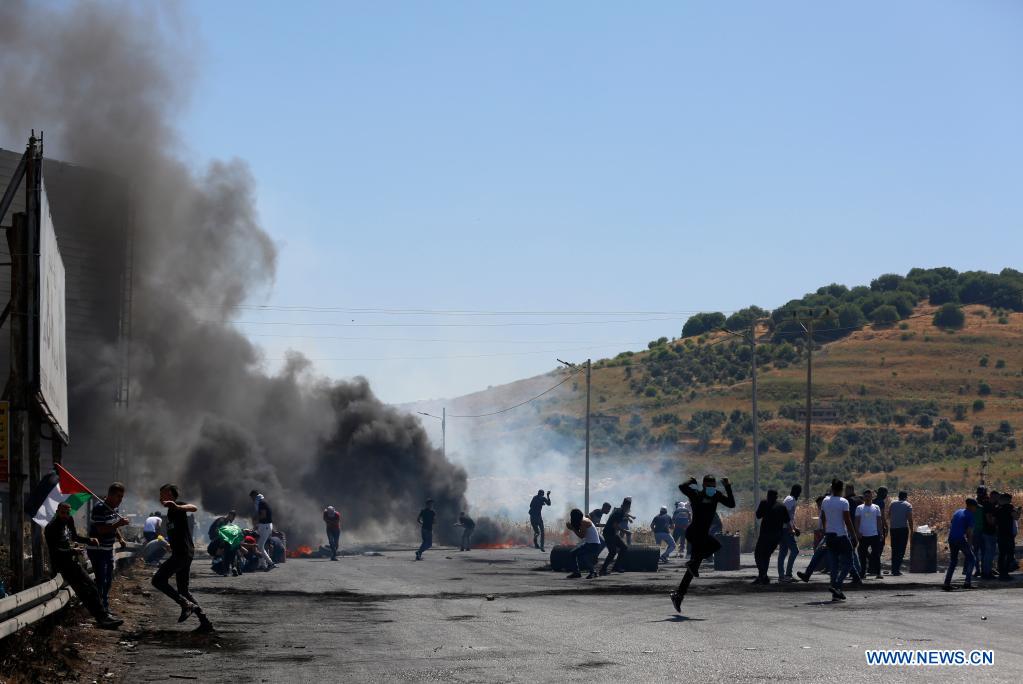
[{"x": 704, "y": 503}]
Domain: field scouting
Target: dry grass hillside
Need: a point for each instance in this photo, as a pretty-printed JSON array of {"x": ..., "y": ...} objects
[{"x": 908, "y": 404}]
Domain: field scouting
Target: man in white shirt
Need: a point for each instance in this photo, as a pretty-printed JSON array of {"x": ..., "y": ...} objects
[
  {"x": 839, "y": 536},
  {"x": 151, "y": 528},
  {"x": 788, "y": 546},
  {"x": 868, "y": 532}
]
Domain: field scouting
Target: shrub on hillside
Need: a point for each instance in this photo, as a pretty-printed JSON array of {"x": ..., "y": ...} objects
[
  {"x": 949, "y": 317},
  {"x": 885, "y": 315},
  {"x": 978, "y": 405},
  {"x": 702, "y": 323}
]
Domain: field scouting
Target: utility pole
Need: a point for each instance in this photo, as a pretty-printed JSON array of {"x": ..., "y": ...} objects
[
  {"x": 807, "y": 327},
  {"x": 589, "y": 367},
  {"x": 586, "y": 497},
  {"x": 443, "y": 418},
  {"x": 751, "y": 339},
  {"x": 16, "y": 243}
]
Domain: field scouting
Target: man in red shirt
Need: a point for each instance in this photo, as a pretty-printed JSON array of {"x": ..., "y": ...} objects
[{"x": 332, "y": 519}]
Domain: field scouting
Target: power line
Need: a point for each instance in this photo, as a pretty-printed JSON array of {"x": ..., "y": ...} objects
[
  {"x": 521, "y": 403},
  {"x": 442, "y": 325},
  {"x": 454, "y": 356},
  {"x": 452, "y": 312},
  {"x": 434, "y": 339}
]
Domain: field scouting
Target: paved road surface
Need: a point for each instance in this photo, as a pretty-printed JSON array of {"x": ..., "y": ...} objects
[{"x": 495, "y": 616}]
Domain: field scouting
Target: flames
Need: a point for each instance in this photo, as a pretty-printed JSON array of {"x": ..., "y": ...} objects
[
  {"x": 300, "y": 552},
  {"x": 498, "y": 545}
]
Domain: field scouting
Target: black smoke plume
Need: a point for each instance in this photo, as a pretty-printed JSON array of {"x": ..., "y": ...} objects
[{"x": 106, "y": 81}]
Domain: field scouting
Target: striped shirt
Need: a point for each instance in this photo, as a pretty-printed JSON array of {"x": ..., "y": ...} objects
[{"x": 103, "y": 514}]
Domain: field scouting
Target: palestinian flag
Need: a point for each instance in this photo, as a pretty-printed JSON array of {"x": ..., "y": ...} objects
[{"x": 54, "y": 489}]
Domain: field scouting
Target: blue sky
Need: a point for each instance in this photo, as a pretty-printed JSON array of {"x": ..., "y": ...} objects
[{"x": 601, "y": 157}]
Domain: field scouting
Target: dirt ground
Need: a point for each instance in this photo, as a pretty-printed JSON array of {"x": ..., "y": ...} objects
[{"x": 68, "y": 647}]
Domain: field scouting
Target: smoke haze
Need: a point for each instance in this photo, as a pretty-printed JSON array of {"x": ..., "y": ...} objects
[{"x": 106, "y": 82}]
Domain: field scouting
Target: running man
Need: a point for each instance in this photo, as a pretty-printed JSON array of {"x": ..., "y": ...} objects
[
  {"x": 536, "y": 517},
  {"x": 661, "y": 526},
  {"x": 585, "y": 529},
  {"x": 332, "y": 521},
  {"x": 616, "y": 546},
  {"x": 180, "y": 562},
  {"x": 704, "y": 503},
  {"x": 597, "y": 514},
  {"x": 263, "y": 518},
  {"x": 425, "y": 521},
  {"x": 788, "y": 546},
  {"x": 468, "y": 525}
]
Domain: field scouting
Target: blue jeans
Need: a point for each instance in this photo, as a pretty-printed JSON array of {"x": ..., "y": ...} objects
[
  {"x": 954, "y": 547},
  {"x": 788, "y": 547},
  {"x": 990, "y": 541},
  {"x": 664, "y": 537},
  {"x": 589, "y": 552},
  {"x": 103, "y": 566},
  {"x": 333, "y": 540},
  {"x": 427, "y": 541},
  {"x": 820, "y": 556},
  {"x": 840, "y": 550}
]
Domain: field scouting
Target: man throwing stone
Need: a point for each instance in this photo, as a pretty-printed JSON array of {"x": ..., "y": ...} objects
[
  {"x": 536, "y": 517},
  {"x": 704, "y": 502}
]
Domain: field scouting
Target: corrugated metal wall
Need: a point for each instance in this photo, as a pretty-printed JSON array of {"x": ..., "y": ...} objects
[{"x": 90, "y": 215}]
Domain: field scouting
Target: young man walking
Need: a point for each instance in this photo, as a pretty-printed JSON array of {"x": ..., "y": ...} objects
[
  {"x": 105, "y": 523},
  {"x": 838, "y": 533},
  {"x": 536, "y": 505},
  {"x": 704, "y": 502},
  {"x": 960, "y": 540},
  {"x": 774, "y": 517},
  {"x": 180, "y": 562},
  {"x": 1006, "y": 516},
  {"x": 868, "y": 533},
  {"x": 425, "y": 520},
  {"x": 788, "y": 547},
  {"x": 59, "y": 533},
  {"x": 262, "y": 517},
  {"x": 900, "y": 522},
  {"x": 681, "y": 519},
  {"x": 332, "y": 521}
]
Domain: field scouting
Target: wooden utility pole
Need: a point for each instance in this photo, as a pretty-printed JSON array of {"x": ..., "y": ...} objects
[
  {"x": 809, "y": 407},
  {"x": 586, "y": 497},
  {"x": 756, "y": 416}
]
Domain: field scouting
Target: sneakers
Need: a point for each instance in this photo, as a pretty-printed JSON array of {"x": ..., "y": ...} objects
[
  {"x": 574, "y": 575},
  {"x": 693, "y": 568},
  {"x": 419, "y": 556},
  {"x": 205, "y": 627},
  {"x": 186, "y": 611},
  {"x": 896, "y": 573},
  {"x": 948, "y": 587},
  {"x": 676, "y": 600},
  {"x": 619, "y": 571},
  {"x": 878, "y": 576},
  {"x": 591, "y": 575},
  {"x": 108, "y": 621},
  {"x": 759, "y": 580},
  {"x": 803, "y": 576},
  {"x": 836, "y": 593}
]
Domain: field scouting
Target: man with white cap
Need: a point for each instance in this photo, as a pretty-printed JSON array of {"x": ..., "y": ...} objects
[
  {"x": 332, "y": 519},
  {"x": 661, "y": 526}
]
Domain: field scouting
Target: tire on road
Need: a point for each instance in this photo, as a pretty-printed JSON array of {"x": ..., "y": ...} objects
[
  {"x": 642, "y": 559},
  {"x": 561, "y": 558}
]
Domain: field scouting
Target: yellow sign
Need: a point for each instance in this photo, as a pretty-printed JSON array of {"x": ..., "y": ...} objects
[{"x": 5, "y": 441}]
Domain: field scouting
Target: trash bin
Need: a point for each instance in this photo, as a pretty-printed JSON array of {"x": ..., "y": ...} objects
[
  {"x": 923, "y": 553},
  {"x": 727, "y": 557}
]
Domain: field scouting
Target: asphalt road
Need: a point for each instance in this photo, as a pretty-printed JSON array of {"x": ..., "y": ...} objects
[{"x": 496, "y": 616}]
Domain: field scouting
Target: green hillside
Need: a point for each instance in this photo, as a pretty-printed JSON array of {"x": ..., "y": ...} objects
[{"x": 899, "y": 400}]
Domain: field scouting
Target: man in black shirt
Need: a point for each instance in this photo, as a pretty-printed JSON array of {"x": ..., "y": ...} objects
[
  {"x": 616, "y": 546},
  {"x": 180, "y": 562},
  {"x": 468, "y": 525},
  {"x": 704, "y": 502},
  {"x": 597, "y": 514},
  {"x": 536, "y": 505},
  {"x": 774, "y": 517},
  {"x": 59, "y": 534},
  {"x": 425, "y": 521},
  {"x": 1006, "y": 516}
]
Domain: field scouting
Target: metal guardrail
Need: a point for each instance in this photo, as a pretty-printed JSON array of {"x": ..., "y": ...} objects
[{"x": 32, "y": 605}]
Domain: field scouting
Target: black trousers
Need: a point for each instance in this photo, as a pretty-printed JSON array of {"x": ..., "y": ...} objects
[
  {"x": 81, "y": 583},
  {"x": 177, "y": 566},
  {"x": 538, "y": 531},
  {"x": 1006, "y": 555},
  {"x": 900, "y": 538},
  {"x": 766, "y": 545},
  {"x": 870, "y": 565},
  {"x": 616, "y": 550},
  {"x": 702, "y": 545}
]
